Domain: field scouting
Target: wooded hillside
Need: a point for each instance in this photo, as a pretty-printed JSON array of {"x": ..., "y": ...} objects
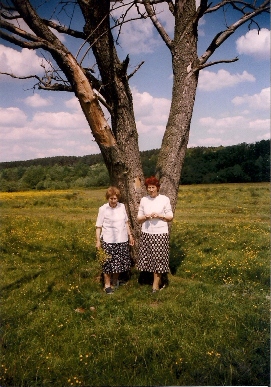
[{"x": 231, "y": 164}]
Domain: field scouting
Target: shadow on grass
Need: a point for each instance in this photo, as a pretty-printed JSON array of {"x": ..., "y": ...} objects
[{"x": 176, "y": 257}]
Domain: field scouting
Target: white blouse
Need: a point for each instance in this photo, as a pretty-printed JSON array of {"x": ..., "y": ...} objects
[
  {"x": 113, "y": 220},
  {"x": 161, "y": 205}
]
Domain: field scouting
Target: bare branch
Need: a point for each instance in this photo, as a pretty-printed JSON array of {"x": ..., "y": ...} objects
[
  {"x": 56, "y": 87},
  {"x": 22, "y": 43},
  {"x": 215, "y": 62},
  {"x": 135, "y": 70},
  {"x": 162, "y": 32},
  {"x": 224, "y": 35},
  {"x": 24, "y": 77},
  {"x": 152, "y": 2},
  {"x": 103, "y": 101},
  {"x": 18, "y": 31},
  {"x": 64, "y": 29},
  {"x": 234, "y": 4},
  {"x": 44, "y": 84}
]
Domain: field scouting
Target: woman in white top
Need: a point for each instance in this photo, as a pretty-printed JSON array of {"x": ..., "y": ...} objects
[
  {"x": 113, "y": 235},
  {"x": 154, "y": 214}
]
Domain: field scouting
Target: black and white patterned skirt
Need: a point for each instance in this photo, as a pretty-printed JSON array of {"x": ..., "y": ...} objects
[
  {"x": 120, "y": 260},
  {"x": 153, "y": 253}
]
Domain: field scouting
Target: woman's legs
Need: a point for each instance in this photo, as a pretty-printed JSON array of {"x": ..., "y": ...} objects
[
  {"x": 156, "y": 281},
  {"x": 115, "y": 277},
  {"x": 107, "y": 280}
]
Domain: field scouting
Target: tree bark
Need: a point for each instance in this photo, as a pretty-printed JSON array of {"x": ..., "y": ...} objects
[
  {"x": 122, "y": 158},
  {"x": 184, "y": 58}
]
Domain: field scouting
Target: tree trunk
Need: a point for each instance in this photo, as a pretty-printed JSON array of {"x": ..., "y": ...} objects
[
  {"x": 122, "y": 159},
  {"x": 184, "y": 57}
]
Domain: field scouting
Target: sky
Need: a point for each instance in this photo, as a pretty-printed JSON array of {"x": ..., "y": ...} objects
[{"x": 232, "y": 103}]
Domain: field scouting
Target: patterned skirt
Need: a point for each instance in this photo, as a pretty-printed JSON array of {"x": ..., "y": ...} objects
[
  {"x": 153, "y": 253},
  {"x": 120, "y": 260}
]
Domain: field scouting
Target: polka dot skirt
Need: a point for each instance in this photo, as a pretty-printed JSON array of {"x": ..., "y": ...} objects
[
  {"x": 121, "y": 259},
  {"x": 153, "y": 253}
]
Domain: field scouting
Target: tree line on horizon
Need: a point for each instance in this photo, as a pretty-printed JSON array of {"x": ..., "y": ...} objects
[{"x": 203, "y": 165}]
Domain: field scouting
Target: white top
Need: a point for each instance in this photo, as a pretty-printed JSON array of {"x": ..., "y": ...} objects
[
  {"x": 113, "y": 220},
  {"x": 161, "y": 205}
]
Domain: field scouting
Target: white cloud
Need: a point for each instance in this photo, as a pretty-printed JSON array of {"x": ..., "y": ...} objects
[
  {"x": 151, "y": 113},
  {"x": 223, "y": 123},
  {"x": 13, "y": 61},
  {"x": 260, "y": 124},
  {"x": 73, "y": 104},
  {"x": 254, "y": 43},
  {"x": 265, "y": 136},
  {"x": 59, "y": 120},
  {"x": 12, "y": 116},
  {"x": 210, "y": 81},
  {"x": 260, "y": 101},
  {"x": 137, "y": 36},
  {"x": 47, "y": 134},
  {"x": 37, "y": 101}
]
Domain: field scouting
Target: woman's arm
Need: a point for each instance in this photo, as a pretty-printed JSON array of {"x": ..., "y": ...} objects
[
  {"x": 130, "y": 236},
  {"x": 142, "y": 218},
  {"x": 165, "y": 218},
  {"x": 98, "y": 235}
]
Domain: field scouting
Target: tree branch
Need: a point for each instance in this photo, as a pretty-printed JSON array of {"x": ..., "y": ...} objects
[
  {"x": 25, "y": 77},
  {"x": 223, "y": 35},
  {"x": 214, "y": 63},
  {"x": 56, "y": 87},
  {"x": 45, "y": 85},
  {"x": 18, "y": 31},
  {"x": 162, "y": 32},
  {"x": 234, "y": 3},
  {"x": 136, "y": 69},
  {"x": 22, "y": 43},
  {"x": 64, "y": 29}
]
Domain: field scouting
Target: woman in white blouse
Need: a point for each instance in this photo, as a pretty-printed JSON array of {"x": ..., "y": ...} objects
[
  {"x": 154, "y": 214},
  {"x": 114, "y": 236}
]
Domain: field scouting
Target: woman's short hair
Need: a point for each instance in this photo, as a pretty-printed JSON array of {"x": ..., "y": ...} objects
[
  {"x": 152, "y": 181},
  {"x": 111, "y": 191}
]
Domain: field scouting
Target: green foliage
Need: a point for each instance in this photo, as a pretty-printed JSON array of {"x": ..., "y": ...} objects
[
  {"x": 232, "y": 164},
  {"x": 210, "y": 326}
]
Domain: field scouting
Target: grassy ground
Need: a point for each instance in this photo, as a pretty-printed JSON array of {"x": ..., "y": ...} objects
[{"x": 210, "y": 326}]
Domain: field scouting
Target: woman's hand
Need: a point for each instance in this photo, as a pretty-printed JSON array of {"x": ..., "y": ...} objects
[
  {"x": 98, "y": 244},
  {"x": 131, "y": 240},
  {"x": 157, "y": 216}
]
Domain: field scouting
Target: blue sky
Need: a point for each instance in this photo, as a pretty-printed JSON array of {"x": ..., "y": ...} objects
[{"x": 232, "y": 102}]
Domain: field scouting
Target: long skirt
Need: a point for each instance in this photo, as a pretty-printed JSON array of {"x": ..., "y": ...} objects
[
  {"x": 153, "y": 253},
  {"x": 120, "y": 259}
]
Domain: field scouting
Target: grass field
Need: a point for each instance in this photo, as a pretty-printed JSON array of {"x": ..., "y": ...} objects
[{"x": 210, "y": 326}]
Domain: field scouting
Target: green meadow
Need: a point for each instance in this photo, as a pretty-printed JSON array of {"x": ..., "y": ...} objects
[{"x": 209, "y": 326}]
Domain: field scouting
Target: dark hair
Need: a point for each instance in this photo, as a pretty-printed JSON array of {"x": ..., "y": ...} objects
[
  {"x": 152, "y": 181},
  {"x": 112, "y": 191}
]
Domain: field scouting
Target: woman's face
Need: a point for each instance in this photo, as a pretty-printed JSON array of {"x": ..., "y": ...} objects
[
  {"x": 113, "y": 201},
  {"x": 152, "y": 191}
]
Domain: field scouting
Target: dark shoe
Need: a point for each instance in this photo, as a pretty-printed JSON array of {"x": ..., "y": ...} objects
[{"x": 109, "y": 290}]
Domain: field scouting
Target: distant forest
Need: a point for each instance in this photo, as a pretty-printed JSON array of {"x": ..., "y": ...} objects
[{"x": 231, "y": 164}]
